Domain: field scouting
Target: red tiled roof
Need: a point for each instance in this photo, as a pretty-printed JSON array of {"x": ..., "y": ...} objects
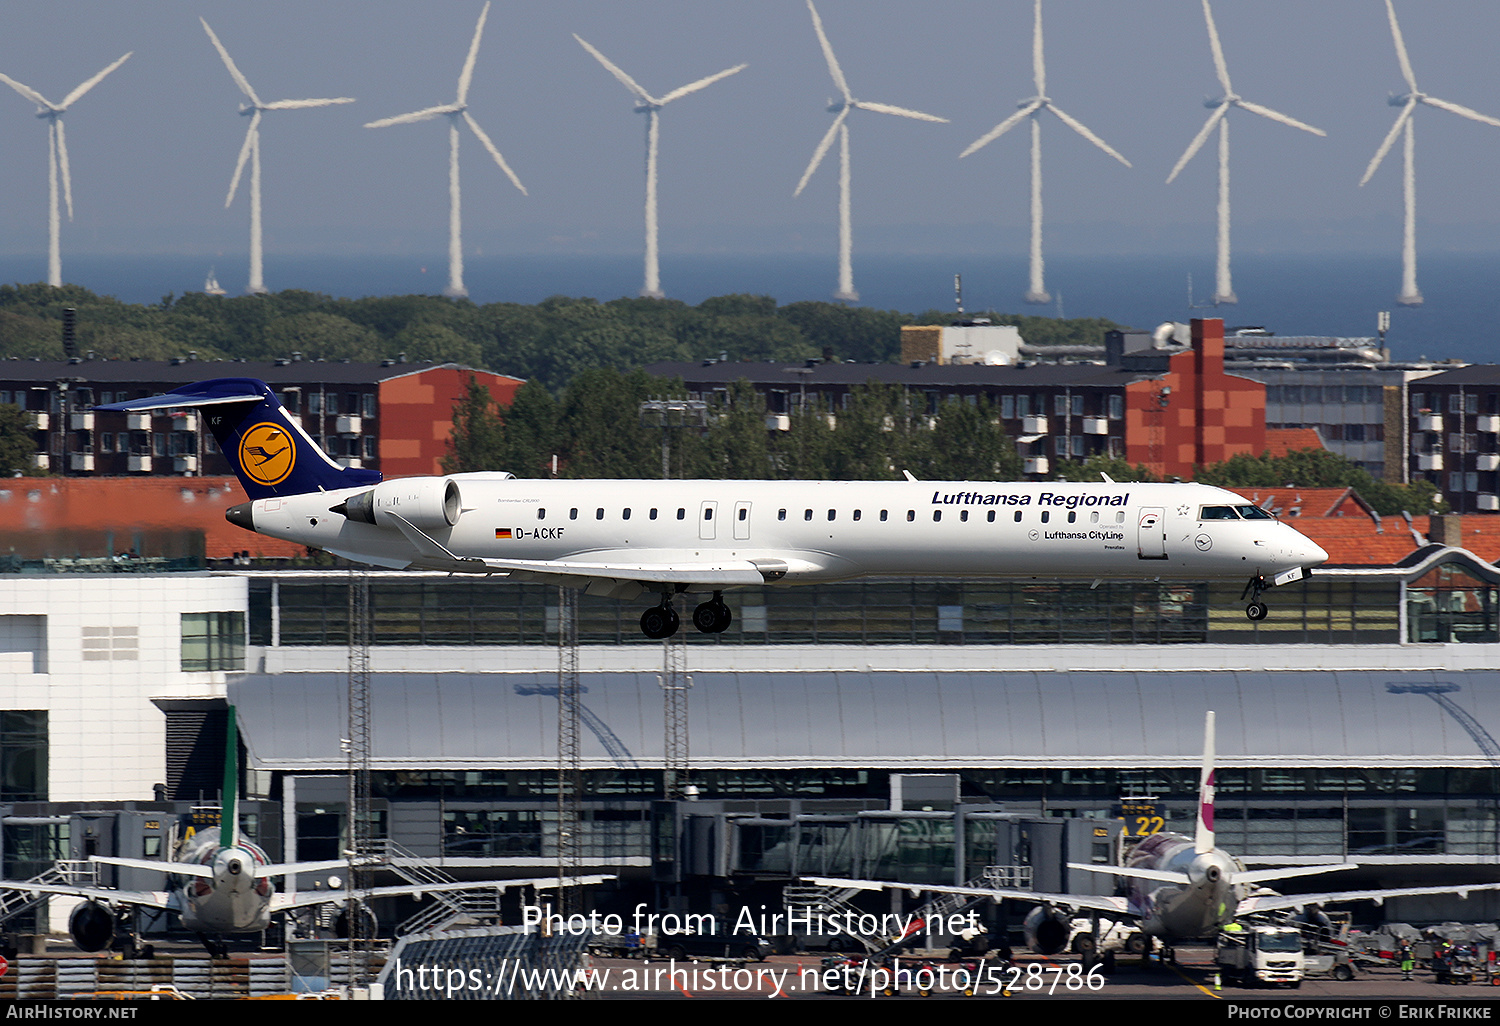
[
  {"x": 1357, "y": 541},
  {"x": 1280, "y": 441},
  {"x": 1309, "y": 502}
]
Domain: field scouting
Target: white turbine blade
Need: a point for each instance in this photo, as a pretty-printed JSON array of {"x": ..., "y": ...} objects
[
  {"x": 1390, "y": 139},
  {"x": 624, "y": 79},
  {"x": 1406, "y": 72},
  {"x": 833, "y": 62},
  {"x": 1000, "y": 129},
  {"x": 62, "y": 165},
  {"x": 901, "y": 112},
  {"x": 1220, "y": 67},
  {"x": 86, "y": 86},
  {"x": 822, "y": 150},
  {"x": 234, "y": 72},
  {"x": 414, "y": 116},
  {"x": 28, "y": 92},
  {"x": 239, "y": 166},
  {"x": 1464, "y": 112},
  {"x": 1199, "y": 140},
  {"x": 306, "y": 104},
  {"x": 1038, "y": 62},
  {"x": 702, "y": 83},
  {"x": 467, "y": 74},
  {"x": 1078, "y": 127},
  {"x": 1267, "y": 112},
  {"x": 474, "y": 126}
]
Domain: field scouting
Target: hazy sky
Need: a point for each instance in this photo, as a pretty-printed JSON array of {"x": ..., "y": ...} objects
[{"x": 154, "y": 145}]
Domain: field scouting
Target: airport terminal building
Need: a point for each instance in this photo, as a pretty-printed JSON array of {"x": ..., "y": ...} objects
[{"x": 907, "y": 730}]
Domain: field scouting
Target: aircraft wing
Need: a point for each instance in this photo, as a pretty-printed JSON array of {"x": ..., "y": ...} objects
[
  {"x": 107, "y": 895},
  {"x": 724, "y": 573},
  {"x": 302, "y": 899},
  {"x": 1280, "y": 902},
  {"x": 1114, "y": 906}
]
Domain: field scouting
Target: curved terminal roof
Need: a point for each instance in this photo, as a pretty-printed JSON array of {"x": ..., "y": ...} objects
[{"x": 914, "y": 720}]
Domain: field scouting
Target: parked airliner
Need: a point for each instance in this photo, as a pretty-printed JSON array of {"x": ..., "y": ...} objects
[
  {"x": 1178, "y": 887},
  {"x": 220, "y": 884},
  {"x": 623, "y": 538}
]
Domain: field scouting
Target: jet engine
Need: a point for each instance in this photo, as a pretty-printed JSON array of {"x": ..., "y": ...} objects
[
  {"x": 1047, "y": 930},
  {"x": 92, "y": 926},
  {"x": 427, "y": 502}
]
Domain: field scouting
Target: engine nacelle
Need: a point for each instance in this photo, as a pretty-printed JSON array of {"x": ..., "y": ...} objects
[
  {"x": 427, "y": 502},
  {"x": 92, "y": 926},
  {"x": 1047, "y": 930}
]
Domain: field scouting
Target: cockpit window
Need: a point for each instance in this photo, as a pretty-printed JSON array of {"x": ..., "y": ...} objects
[
  {"x": 1218, "y": 513},
  {"x": 1254, "y": 513}
]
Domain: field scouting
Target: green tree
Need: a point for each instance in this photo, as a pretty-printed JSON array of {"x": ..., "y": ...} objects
[
  {"x": 1095, "y": 467},
  {"x": 478, "y": 438},
  {"x": 17, "y": 441},
  {"x": 1319, "y": 468},
  {"x": 531, "y": 431}
]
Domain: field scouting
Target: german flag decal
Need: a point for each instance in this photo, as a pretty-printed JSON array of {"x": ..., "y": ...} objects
[{"x": 502, "y": 532}]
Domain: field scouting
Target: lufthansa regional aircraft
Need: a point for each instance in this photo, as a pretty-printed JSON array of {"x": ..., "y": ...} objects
[
  {"x": 1179, "y": 888},
  {"x": 221, "y": 885},
  {"x": 623, "y": 538}
]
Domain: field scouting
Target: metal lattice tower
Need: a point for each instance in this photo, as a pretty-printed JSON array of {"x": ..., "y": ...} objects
[
  {"x": 569, "y": 767},
  {"x": 675, "y": 683},
  {"x": 361, "y": 849}
]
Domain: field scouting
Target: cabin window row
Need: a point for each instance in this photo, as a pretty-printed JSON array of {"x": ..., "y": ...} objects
[{"x": 858, "y": 514}]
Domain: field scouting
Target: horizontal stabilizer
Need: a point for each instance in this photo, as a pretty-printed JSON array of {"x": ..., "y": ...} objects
[
  {"x": 159, "y": 866},
  {"x": 175, "y": 400},
  {"x": 1165, "y": 876},
  {"x": 1257, "y": 876}
]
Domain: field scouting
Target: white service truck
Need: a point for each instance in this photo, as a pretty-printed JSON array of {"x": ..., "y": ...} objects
[{"x": 1261, "y": 954}]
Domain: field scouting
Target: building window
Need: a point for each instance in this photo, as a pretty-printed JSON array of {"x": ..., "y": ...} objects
[
  {"x": 106, "y": 644},
  {"x": 23, "y": 760},
  {"x": 213, "y": 641}
]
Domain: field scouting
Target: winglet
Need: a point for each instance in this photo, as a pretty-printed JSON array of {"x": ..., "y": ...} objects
[{"x": 1203, "y": 840}]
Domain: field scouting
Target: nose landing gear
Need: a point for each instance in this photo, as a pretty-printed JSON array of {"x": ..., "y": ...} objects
[{"x": 1256, "y": 610}]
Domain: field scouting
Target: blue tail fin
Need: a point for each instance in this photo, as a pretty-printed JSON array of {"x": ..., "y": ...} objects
[{"x": 269, "y": 451}]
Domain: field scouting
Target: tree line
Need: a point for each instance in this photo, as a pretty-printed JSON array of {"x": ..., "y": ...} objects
[
  {"x": 594, "y": 428},
  {"x": 550, "y": 342}
]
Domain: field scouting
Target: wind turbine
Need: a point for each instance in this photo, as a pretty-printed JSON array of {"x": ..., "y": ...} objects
[
  {"x": 454, "y": 112},
  {"x": 840, "y": 128},
  {"x": 649, "y": 105},
  {"x": 251, "y": 151},
  {"x": 57, "y": 160},
  {"x": 1409, "y": 295},
  {"x": 1223, "y": 289},
  {"x": 1033, "y": 109}
]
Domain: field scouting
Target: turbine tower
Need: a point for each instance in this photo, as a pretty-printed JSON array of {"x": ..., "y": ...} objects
[
  {"x": 650, "y": 106},
  {"x": 840, "y": 129},
  {"x": 1409, "y": 295},
  {"x": 57, "y": 160},
  {"x": 1033, "y": 109},
  {"x": 1223, "y": 287},
  {"x": 455, "y": 112},
  {"x": 251, "y": 151}
]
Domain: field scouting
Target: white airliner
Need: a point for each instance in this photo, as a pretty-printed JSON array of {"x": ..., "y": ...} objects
[
  {"x": 221, "y": 885},
  {"x": 1180, "y": 888},
  {"x": 622, "y": 538}
]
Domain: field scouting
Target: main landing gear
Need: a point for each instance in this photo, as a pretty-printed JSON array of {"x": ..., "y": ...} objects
[
  {"x": 662, "y": 621},
  {"x": 1256, "y": 610}
]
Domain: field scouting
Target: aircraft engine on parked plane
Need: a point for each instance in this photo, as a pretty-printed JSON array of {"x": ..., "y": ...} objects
[
  {"x": 428, "y": 502},
  {"x": 92, "y": 926},
  {"x": 1047, "y": 930}
]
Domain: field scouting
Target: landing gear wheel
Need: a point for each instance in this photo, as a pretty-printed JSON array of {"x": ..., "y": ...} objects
[
  {"x": 712, "y": 617},
  {"x": 659, "y": 622},
  {"x": 1256, "y": 610}
]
